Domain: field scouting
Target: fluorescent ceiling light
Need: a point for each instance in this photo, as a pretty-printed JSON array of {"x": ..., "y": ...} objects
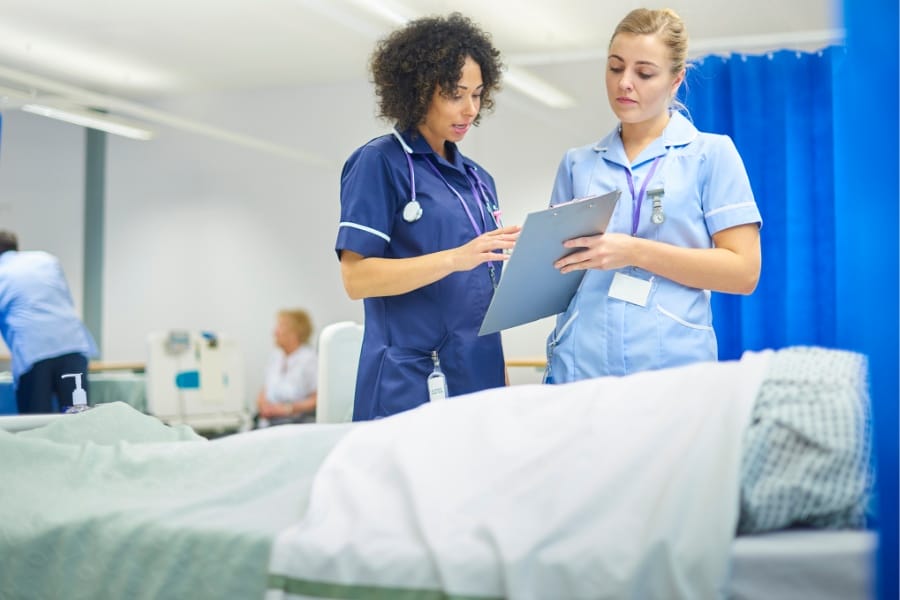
[
  {"x": 392, "y": 12},
  {"x": 10, "y": 98},
  {"x": 42, "y": 49},
  {"x": 88, "y": 98},
  {"x": 535, "y": 87},
  {"x": 91, "y": 119}
]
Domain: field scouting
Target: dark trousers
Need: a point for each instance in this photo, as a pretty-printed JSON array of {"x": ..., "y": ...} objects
[{"x": 37, "y": 387}]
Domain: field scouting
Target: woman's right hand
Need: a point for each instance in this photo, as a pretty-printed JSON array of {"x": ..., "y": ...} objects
[
  {"x": 376, "y": 276},
  {"x": 483, "y": 248}
]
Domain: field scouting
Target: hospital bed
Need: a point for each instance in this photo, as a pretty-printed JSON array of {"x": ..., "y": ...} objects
[
  {"x": 16, "y": 423},
  {"x": 113, "y": 503},
  {"x": 798, "y": 563}
]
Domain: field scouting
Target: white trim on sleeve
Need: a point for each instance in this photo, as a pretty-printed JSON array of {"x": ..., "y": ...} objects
[
  {"x": 716, "y": 211},
  {"x": 383, "y": 236}
]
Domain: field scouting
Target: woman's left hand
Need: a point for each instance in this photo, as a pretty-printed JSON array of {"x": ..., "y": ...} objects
[
  {"x": 483, "y": 248},
  {"x": 731, "y": 266},
  {"x": 604, "y": 251}
]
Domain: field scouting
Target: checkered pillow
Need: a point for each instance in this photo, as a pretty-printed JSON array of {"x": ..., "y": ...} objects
[{"x": 807, "y": 452}]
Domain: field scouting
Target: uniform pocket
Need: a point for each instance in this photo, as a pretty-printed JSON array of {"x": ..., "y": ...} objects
[
  {"x": 402, "y": 378},
  {"x": 556, "y": 337},
  {"x": 401, "y": 381},
  {"x": 681, "y": 321},
  {"x": 682, "y": 341}
]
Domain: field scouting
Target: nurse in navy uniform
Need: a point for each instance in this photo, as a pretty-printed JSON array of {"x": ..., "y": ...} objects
[{"x": 420, "y": 238}]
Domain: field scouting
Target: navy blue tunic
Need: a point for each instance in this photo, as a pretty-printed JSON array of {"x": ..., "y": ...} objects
[{"x": 401, "y": 331}]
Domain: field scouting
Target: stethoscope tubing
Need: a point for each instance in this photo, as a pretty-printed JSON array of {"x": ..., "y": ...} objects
[{"x": 413, "y": 211}]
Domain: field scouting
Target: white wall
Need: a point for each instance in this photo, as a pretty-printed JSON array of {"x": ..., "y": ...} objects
[
  {"x": 212, "y": 235},
  {"x": 207, "y": 234},
  {"x": 42, "y": 187},
  {"x": 42, "y": 190}
]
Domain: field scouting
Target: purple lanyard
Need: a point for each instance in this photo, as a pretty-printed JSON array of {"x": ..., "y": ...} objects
[
  {"x": 637, "y": 201},
  {"x": 490, "y": 264},
  {"x": 488, "y": 197},
  {"x": 465, "y": 206}
]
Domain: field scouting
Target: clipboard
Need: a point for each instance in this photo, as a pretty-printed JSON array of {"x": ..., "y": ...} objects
[{"x": 530, "y": 287}]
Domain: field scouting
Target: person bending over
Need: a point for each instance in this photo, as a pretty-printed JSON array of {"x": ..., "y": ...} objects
[{"x": 41, "y": 328}]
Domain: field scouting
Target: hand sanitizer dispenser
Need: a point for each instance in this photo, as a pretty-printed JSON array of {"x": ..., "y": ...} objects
[{"x": 79, "y": 396}]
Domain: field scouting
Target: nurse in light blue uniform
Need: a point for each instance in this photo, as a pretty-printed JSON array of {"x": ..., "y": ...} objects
[
  {"x": 686, "y": 222},
  {"x": 419, "y": 233}
]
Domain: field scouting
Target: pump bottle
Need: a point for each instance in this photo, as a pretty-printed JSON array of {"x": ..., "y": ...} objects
[{"x": 79, "y": 396}]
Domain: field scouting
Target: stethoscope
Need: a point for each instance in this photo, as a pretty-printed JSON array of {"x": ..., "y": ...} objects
[{"x": 412, "y": 210}]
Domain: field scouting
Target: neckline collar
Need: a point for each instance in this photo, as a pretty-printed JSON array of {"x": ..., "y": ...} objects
[
  {"x": 419, "y": 145},
  {"x": 678, "y": 132}
]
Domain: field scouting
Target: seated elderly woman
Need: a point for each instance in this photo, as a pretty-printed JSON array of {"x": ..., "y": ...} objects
[
  {"x": 289, "y": 392},
  {"x": 617, "y": 487}
]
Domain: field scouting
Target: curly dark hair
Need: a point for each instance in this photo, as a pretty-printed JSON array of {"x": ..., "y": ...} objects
[{"x": 409, "y": 64}]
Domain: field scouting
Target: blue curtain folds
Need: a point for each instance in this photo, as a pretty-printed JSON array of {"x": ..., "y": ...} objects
[
  {"x": 778, "y": 110},
  {"x": 818, "y": 135}
]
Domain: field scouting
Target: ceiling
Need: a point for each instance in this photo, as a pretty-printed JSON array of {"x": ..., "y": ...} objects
[{"x": 122, "y": 55}]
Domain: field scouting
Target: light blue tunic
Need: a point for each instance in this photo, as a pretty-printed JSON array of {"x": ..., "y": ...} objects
[
  {"x": 37, "y": 316},
  {"x": 706, "y": 190}
]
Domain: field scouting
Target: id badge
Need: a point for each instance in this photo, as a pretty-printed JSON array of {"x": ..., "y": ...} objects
[{"x": 630, "y": 289}]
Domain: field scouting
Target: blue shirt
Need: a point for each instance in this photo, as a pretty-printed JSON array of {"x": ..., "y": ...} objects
[
  {"x": 37, "y": 315},
  {"x": 401, "y": 331},
  {"x": 706, "y": 190}
]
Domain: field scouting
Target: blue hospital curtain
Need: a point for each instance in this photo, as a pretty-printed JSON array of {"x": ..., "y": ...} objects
[
  {"x": 868, "y": 194},
  {"x": 778, "y": 110},
  {"x": 818, "y": 133}
]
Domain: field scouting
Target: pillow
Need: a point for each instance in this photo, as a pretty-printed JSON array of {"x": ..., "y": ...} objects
[{"x": 806, "y": 458}]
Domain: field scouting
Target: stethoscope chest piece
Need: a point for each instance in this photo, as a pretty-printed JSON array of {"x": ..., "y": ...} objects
[{"x": 412, "y": 211}]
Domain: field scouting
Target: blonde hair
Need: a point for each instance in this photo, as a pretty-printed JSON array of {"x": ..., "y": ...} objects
[
  {"x": 663, "y": 22},
  {"x": 299, "y": 321}
]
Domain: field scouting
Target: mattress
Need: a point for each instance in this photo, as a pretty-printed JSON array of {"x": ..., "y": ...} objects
[{"x": 799, "y": 564}]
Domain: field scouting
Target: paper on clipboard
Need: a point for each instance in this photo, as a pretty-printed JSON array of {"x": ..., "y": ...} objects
[{"x": 530, "y": 287}]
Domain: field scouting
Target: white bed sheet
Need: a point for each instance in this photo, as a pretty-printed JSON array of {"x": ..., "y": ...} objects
[
  {"x": 800, "y": 564},
  {"x": 619, "y": 488}
]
